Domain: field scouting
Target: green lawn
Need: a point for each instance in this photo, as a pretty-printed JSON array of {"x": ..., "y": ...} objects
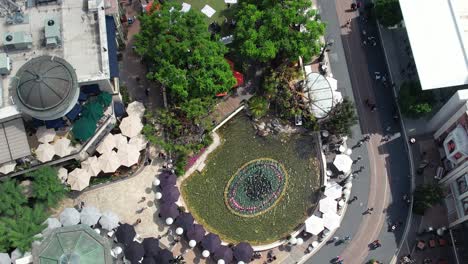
[
  {"x": 221, "y": 8},
  {"x": 204, "y": 192}
]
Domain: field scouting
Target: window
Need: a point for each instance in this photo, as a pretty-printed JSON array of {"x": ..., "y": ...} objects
[
  {"x": 462, "y": 184},
  {"x": 465, "y": 205}
]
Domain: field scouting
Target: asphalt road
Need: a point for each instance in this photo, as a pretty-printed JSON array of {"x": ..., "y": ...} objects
[{"x": 384, "y": 180}]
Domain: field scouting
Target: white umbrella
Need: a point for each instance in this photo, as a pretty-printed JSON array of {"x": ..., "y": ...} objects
[
  {"x": 129, "y": 155},
  {"x": 334, "y": 191},
  {"x": 90, "y": 215},
  {"x": 315, "y": 244},
  {"x": 78, "y": 179},
  {"x": 62, "y": 174},
  {"x": 314, "y": 225},
  {"x": 169, "y": 221},
  {"x": 109, "y": 220},
  {"x": 8, "y": 167},
  {"x": 331, "y": 220},
  {"x": 69, "y": 217},
  {"x": 131, "y": 126},
  {"x": 205, "y": 253},
  {"x": 192, "y": 243},
  {"x": 136, "y": 108},
  {"x": 221, "y": 261},
  {"x": 158, "y": 195},
  {"x": 62, "y": 147},
  {"x": 300, "y": 241},
  {"x": 179, "y": 231},
  {"x": 109, "y": 162},
  {"x": 45, "y": 152},
  {"x": 121, "y": 141},
  {"x": 328, "y": 205},
  {"x": 45, "y": 135},
  {"x": 51, "y": 223},
  {"x": 107, "y": 144},
  {"x": 91, "y": 165},
  {"x": 349, "y": 152},
  {"x": 343, "y": 163},
  {"x": 139, "y": 141},
  {"x": 5, "y": 258}
]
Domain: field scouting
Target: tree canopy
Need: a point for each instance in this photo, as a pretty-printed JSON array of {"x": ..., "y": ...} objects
[
  {"x": 388, "y": 12},
  {"x": 11, "y": 198},
  {"x": 181, "y": 54},
  {"x": 426, "y": 196},
  {"x": 270, "y": 29},
  {"x": 341, "y": 118},
  {"x": 414, "y": 102},
  {"x": 47, "y": 186}
]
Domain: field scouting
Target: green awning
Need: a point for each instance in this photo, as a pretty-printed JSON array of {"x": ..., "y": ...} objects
[
  {"x": 104, "y": 99},
  {"x": 77, "y": 244},
  {"x": 84, "y": 128},
  {"x": 93, "y": 111}
]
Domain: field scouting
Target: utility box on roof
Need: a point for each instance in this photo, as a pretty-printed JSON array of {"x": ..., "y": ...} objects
[
  {"x": 17, "y": 40},
  {"x": 5, "y": 64},
  {"x": 52, "y": 32}
]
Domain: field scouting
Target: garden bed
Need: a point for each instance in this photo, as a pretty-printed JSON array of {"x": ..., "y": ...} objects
[{"x": 205, "y": 193}]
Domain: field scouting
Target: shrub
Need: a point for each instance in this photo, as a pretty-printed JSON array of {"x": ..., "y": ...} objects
[
  {"x": 426, "y": 196},
  {"x": 258, "y": 106},
  {"x": 47, "y": 187},
  {"x": 413, "y": 101},
  {"x": 388, "y": 12}
]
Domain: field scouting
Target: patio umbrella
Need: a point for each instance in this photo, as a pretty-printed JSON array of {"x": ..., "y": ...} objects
[
  {"x": 125, "y": 234},
  {"x": 131, "y": 126},
  {"x": 164, "y": 257},
  {"x": 170, "y": 194},
  {"x": 136, "y": 108},
  {"x": 328, "y": 205},
  {"x": 333, "y": 191},
  {"x": 5, "y": 258},
  {"x": 62, "y": 174},
  {"x": 84, "y": 128},
  {"x": 45, "y": 152},
  {"x": 69, "y": 217},
  {"x": 167, "y": 179},
  {"x": 107, "y": 144},
  {"x": 45, "y": 135},
  {"x": 121, "y": 141},
  {"x": 8, "y": 167},
  {"x": 128, "y": 156},
  {"x": 331, "y": 220},
  {"x": 51, "y": 223},
  {"x": 104, "y": 99},
  {"x": 109, "y": 220},
  {"x": 148, "y": 260},
  {"x": 78, "y": 179},
  {"x": 343, "y": 163},
  {"x": 139, "y": 141},
  {"x": 314, "y": 225},
  {"x": 109, "y": 162},
  {"x": 91, "y": 165},
  {"x": 90, "y": 215},
  {"x": 224, "y": 253},
  {"x": 211, "y": 242},
  {"x": 134, "y": 252},
  {"x": 243, "y": 252},
  {"x": 184, "y": 220},
  {"x": 195, "y": 232},
  {"x": 93, "y": 111},
  {"x": 62, "y": 147},
  {"x": 169, "y": 210},
  {"x": 151, "y": 246}
]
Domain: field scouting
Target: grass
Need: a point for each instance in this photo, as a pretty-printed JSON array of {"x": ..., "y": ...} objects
[
  {"x": 204, "y": 192},
  {"x": 221, "y": 9}
]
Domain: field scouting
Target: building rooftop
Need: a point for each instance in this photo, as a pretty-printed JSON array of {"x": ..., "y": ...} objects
[{"x": 438, "y": 34}]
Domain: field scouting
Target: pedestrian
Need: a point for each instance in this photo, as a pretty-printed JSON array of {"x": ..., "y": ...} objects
[
  {"x": 138, "y": 221},
  {"x": 358, "y": 4},
  {"x": 359, "y": 157},
  {"x": 412, "y": 140},
  {"x": 147, "y": 91},
  {"x": 353, "y": 199},
  {"x": 373, "y": 107},
  {"x": 142, "y": 199},
  {"x": 353, "y": 6},
  {"x": 82, "y": 204},
  {"x": 369, "y": 211},
  {"x": 348, "y": 24}
]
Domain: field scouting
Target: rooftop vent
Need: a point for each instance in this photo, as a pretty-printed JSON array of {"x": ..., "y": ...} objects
[
  {"x": 52, "y": 33},
  {"x": 17, "y": 40},
  {"x": 5, "y": 64}
]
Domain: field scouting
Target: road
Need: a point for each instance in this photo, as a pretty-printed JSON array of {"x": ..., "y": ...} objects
[{"x": 385, "y": 178}]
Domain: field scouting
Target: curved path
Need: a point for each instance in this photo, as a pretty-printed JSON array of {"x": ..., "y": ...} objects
[{"x": 388, "y": 161}]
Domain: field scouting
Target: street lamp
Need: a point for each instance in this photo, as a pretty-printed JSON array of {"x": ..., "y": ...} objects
[{"x": 329, "y": 43}]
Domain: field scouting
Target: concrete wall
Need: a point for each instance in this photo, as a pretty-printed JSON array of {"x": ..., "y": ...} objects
[{"x": 447, "y": 111}]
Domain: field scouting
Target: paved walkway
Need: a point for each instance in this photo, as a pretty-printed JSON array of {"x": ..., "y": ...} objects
[{"x": 230, "y": 104}]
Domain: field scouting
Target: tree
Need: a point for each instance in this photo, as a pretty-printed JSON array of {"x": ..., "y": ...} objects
[
  {"x": 4, "y": 243},
  {"x": 197, "y": 108},
  {"x": 47, "y": 187},
  {"x": 277, "y": 30},
  {"x": 426, "y": 196},
  {"x": 388, "y": 12},
  {"x": 22, "y": 229},
  {"x": 181, "y": 54},
  {"x": 413, "y": 101},
  {"x": 341, "y": 118},
  {"x": 11, "y": 198},
  {"x": 258, "y": 106}
]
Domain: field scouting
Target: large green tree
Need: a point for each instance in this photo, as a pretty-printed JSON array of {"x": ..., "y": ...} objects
[
  {"x": 341, "y": 118},
  {"x": 269, "y": 29},
  {"x": 11, "y": 198},
  {"x": 425, "y": 196},
  {"x": 388, "y": 12},
  {"x": 181, "y": 54},
  {"x": 47, "y": 186}
]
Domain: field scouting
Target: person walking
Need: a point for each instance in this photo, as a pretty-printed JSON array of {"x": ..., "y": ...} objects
[
  {"x": 138, "y": 221},
  {"x": 352, "y": 199},
  {"x": 369, "y": 210}
]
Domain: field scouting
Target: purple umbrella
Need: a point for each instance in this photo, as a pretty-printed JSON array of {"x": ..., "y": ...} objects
[
  {"x": 167, "y": 179},
  {"x": 195, "y": 232},
  {"x": 211, "y": 242},
  {"x": 134, "y": 252},
  {"x": 224, "y": 253},
  {"x": 170, "y": 194},
  {"x": 243, "y": 252},
  {"x": 164, "y": 257},
  {"x": 184, "y": 220},
  {"x": 151, "y": 246},
  {"x": 169, "y": 210},
  {"x": 148, "y": 260},
  {"x": 125, "y": 234}
]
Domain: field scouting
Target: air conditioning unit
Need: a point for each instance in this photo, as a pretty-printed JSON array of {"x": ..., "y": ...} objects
[
  {"x": 5, "y": 64},
  {"x": 52, "y": 32},
  {"x": 17, "y": 40}
]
